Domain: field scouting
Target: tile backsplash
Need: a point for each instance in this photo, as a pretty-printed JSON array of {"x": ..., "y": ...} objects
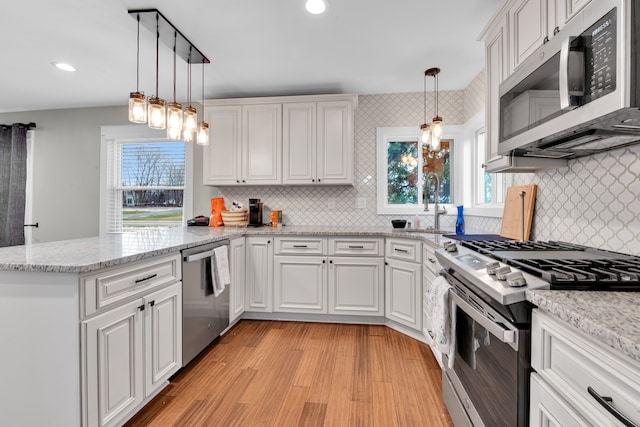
[
  {"x": 595, "y": 201},
  {"x": 324, "y": 206}
]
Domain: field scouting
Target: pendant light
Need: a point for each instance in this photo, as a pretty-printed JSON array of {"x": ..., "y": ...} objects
[
  {"x": 424, "y": 129},
  {"x": 203, "y": 127},
  {"x": 174, "y": 110},
  {"x": 157, "y": 113},
  {"x": 436, "y": 131},
  {"x": 137, "y": 100},
  {"x": 190, "y": 114}
]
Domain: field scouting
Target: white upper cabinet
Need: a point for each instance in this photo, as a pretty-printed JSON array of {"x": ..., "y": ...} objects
[
  {"x": 245, "y": 145},
  {"x": 222, "y": 157},
  {"x": 528, "y": 22},
  {"x": 296, "y": 140}
]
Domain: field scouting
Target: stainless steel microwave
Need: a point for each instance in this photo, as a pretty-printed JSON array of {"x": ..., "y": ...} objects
[{"x": 578, "y": 94}]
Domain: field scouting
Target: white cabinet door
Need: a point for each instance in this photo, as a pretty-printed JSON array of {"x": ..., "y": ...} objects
[
  {"x": 114, "y": 364},
  {"x": 528, "y": 29},
  {"x": 403, "y": 292},
  {"x": 300, "y": 284},
  {"x": 496, "y": 57},
  {"x": 572, "y": 7},
  {"x": 299, "y": 143},
  {"x": 222, "y": 157},
  {"x": 163, "y": 336},
  {"x": 335, "y": 142},
  {"x": 356, "y": 286},
  {"x": 237, "y": 259},
  {"x": 262, "y": 144},
  {"x": 259, "y": 274}
]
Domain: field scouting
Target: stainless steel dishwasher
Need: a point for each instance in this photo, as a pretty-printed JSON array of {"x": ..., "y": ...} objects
[{"x": 204, "y": 316}]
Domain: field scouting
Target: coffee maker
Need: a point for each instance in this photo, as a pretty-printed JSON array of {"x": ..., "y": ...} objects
[{"x": 255, "y": 213}]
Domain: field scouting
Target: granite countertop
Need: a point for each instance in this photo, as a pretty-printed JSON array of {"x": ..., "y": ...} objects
[
  {"x": 611, "y": 317},
  {"x": 93, "y": 253}
]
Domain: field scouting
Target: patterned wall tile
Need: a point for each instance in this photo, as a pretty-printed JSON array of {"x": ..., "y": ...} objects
[
  {"x": 595, "y": 201},
  {"x": 474, "y": 96},
  {"x": 315, "y": 205}
]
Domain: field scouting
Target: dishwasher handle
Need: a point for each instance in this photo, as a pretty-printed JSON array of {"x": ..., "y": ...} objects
[{"x": 198, "y": 256}]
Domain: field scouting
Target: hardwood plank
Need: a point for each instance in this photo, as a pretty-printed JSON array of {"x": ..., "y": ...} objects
[
  {"x": 384, "y": 407},
  {"x": 292, "y": 406},
  {"x": 313, "y": 415}
]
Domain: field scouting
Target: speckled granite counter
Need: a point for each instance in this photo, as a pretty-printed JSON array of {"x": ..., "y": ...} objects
[
  {"x": 93, "y": 253},
  {"x": 612, "y": 317}
]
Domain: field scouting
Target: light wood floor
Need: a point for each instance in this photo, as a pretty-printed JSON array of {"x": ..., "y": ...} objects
[{"x": 267, "y": 373}]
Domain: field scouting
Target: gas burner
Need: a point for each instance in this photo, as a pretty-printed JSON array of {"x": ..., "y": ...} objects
[{"x": 489, "y": 246}]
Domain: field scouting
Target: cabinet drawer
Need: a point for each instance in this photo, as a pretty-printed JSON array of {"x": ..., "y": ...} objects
[
  {"x": 300, "y": 246},
  {"x": 572, "y": 361},
  {"x": 429, "y": 259},
  {"x": 405, "y": 250},
  {"x": 355, "y": 246},
  {"x": 112, "y": 285}
]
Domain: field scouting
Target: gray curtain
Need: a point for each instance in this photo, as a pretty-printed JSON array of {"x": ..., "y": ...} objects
[{"x": 13, "y": 176}]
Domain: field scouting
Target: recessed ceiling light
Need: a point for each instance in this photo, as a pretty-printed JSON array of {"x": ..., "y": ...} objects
[
  {"x": 316, "y": 7},
  {"x": 63, "y": 66}
]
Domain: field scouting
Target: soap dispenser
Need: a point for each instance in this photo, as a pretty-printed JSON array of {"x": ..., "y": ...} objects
[{"x": 416, "y": 222}]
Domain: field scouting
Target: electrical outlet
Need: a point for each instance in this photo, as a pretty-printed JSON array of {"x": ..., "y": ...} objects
[
  {"x": 361, "y": 203},
  {"x": 331, "y": 203}
]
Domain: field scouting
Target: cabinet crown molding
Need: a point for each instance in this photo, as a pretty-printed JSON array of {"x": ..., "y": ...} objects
[{"x": 283, "y": 99}]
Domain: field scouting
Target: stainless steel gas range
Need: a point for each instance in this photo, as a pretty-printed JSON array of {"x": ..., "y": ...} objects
[{"x": 488, "y": 384}]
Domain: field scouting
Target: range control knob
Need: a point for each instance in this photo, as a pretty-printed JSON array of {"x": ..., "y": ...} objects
[
  {"x": 450, "y": 247},
  {"x": 501, "y": 273},
  {"x": 516, "y": 279},
  {"x": 492, "y": 267}
]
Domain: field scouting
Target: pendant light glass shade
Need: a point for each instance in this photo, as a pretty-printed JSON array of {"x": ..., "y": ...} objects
[
  {"x": 424, "y": 134},
  {"x": 174, "y": 120},
  {"x": 187, "y": 135},
  {"x": 190, "y": 119},
  {"x": 137, "y": 107},
  {"x": 157, "y": 113},
  {"x": 137, "y": 100},
  {"x": 203, "y": 133}
]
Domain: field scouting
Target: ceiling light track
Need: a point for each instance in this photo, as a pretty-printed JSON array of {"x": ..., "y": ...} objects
[{"x": 169, "y": 34}]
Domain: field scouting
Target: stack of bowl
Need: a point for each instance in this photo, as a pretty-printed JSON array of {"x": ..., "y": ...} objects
[{"x": 235, "y": 218}]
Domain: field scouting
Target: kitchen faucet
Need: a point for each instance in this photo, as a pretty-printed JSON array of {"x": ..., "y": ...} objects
[{"x": 436, "y": 211}]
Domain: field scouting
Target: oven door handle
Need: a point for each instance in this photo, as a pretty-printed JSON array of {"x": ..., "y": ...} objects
[{"x": 505, "y": 335}]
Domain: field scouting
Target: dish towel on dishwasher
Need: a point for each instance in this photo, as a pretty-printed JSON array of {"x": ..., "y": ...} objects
[
  {"x": 438, "y": 305},
  {"x": 220, "y": 269}
]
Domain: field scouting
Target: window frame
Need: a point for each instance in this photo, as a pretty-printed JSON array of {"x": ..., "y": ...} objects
[
  {"x": 111, "y": 137},
  {"x": 405, "y": 134}
]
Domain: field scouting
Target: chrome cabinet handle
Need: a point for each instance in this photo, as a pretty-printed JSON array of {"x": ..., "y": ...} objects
[
  {"x": 404, "y": 251},
  {"x": 146, "y": 278},
  {"x": 355, "y": 247},
  {"x": 300, "y": 246},
  {"x": 431, "y": 260},
  {"x": 606, "y": 401}
]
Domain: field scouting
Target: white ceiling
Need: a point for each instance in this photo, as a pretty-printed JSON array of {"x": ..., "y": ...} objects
[{"x": 256, "y": 48}]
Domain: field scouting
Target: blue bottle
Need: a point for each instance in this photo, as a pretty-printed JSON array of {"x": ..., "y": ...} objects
[{"x": 460, "y": 221}]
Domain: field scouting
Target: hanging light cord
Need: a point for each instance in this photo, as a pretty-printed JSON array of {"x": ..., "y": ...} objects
[
  {"x": 203, "y": 87},
  {"x": 437, "y": 89},
  {"x": 138, "y": 58},
  {"x": 189, "y": 78},
  {"x": 425, "y": 97},
  {"x": 435, "y": 94},
  {"x": 157, "y": 49},
  {"x": 175, "y": 41}
]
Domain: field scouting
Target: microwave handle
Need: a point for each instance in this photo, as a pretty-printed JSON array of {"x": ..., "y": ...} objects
[{"x": 571, "y": 75}]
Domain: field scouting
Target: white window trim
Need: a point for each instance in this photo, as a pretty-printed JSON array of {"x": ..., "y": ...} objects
[
  {"x": 137, "y": 133},
  {"x": 411, "y": 133}
]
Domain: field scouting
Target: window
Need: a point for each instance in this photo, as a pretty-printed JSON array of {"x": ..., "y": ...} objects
[
  {"x": 490, "y": 187},
  {"x": 144, "y": 184},
  {"x": 403, "y": 166}
]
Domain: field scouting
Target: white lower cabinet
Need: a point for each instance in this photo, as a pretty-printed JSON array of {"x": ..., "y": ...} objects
[
  {"x": 130, "y": 352},
  {"x": 259, "y": 274},
  {"x": 237, "y": 261},
  {"x": 403, "y": 287},
  {"x": 356, "y": 285},
  {"x": 572, "y": 370},
  {"x": 300, "y": 284}
]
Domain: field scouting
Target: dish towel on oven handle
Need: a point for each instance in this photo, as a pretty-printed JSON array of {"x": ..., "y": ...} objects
[
  {"x": 439, "y": 306},
  {"x": 220, "y": 269}
]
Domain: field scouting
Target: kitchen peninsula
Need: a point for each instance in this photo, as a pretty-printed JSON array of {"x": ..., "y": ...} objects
[{"x": 45, "y": 312}]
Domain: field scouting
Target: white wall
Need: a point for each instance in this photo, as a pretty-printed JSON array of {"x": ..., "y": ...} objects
[{"x": 67, "y": 170}]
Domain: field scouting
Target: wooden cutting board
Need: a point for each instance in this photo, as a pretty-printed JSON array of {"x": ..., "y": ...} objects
[{"x": 512, "y": 214}]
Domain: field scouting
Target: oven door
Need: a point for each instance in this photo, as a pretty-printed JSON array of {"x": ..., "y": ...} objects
[{"x": 489, "y": 373}]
